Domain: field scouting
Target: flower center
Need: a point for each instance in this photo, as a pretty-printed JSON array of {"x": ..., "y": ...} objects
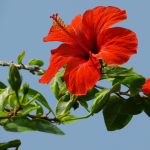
[{"x": 59, "y": 25}]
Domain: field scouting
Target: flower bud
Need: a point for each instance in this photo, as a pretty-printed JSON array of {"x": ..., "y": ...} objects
[
  {"x": 14, "y": 77},
  {"x": 25, "y": 88}
]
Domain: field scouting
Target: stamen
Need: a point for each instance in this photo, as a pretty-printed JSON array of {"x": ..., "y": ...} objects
[{"x": 59, "y": 25}]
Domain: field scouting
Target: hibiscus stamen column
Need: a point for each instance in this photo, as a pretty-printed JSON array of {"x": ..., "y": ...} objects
[{"x": 59, "y": 25}]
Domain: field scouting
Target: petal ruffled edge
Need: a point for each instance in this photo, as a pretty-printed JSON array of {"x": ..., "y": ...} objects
[
  {"x": 100, "y": 18},
  {"x": 116, "y": 45}
]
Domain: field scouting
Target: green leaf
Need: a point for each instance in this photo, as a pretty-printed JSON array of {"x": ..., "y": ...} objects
[
  {"x": 56, "y": 90},
  {"x": 37, "y": 62},
  {"x": 20, "y": 57},
  {"x": 136, "y": 86},
  {"x": 113, "y": 119},
  {"x": 10, "y": 144},
  {"x": 40, "y": 98},
  {"x": 75, "y": 105},
  {"x": 46, "y": 126},
  {"x": 29, "y": 110},
  {"x": 19, "y": 125},
  {"x": 26, "y": 109},
  {"x": 3, "y": 103},
  {"x": 63, "y": 115},
  {"x": 60, "y": 73},
  {"x": 58, "y": 80},
  {"x": 118, "y": 80},
  {"x": 110, "y": 79},
  {"x": 90, "y": 94},
  {"x": 125, "y": 80},
  {"x": 115, "y": 88},
  {"x": 147, "y": 107},
  {"x": 56, "y": 85},
  {"x": 83, "y": 103},
  {"x": 63, "y": 89},
  {"x": 2, "y": 85},
  {"x": 112, "y": 68},
  {"x": 64, "y": 105},
  {"x": 12, "y": 100},
  {"x": 3, "y": 114},
  {"x": 69, "y": 119},
  {"x": 39, "y": 110},
  {"x": 133, "y": 105},
  {"x": 100, "y": 101},
  {"x": 119, "y": 72}
]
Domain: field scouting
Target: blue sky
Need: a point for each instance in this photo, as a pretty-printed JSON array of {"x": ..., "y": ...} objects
[{"x": 23, "y": 24}]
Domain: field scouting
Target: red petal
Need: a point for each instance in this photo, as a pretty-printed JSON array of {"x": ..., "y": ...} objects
[
  {"x": 101, "y": 18},
  {"x": 146, "y": 87},
  {"x": 78, "y": 32},
  {"x": 53, "y": 68},
  {"x": 67, "y": 50},
  {"x": 82, "y": 75},
  {"x": 59, "y": 57},
  {"x": 116, "y": 45},
  {"x": 55, "y": 35}
]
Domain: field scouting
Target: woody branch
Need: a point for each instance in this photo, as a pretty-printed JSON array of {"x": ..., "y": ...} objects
[
  {"x": 25, "y": 67},
  {"x": 14, "y": 112},
  {"x": 122, "y": 93}
]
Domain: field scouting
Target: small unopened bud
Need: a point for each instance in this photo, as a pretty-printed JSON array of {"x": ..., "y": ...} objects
[
  {"x": 25, "y": 88},
  {"x": 14, "y": 77}
]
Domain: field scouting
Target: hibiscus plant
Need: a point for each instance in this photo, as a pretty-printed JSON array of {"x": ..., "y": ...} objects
[{"x": 91, "y": 51}]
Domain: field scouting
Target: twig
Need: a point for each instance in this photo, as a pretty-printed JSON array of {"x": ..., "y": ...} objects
[
  {"x": 44, "y": 117},
  {"x": 21, "y": 66},
  {"x": 100, "y": 87},
  {"x": 122, "y": 93},
  {"x": 119, "y": 95},
  {"x": 14, "y": 112}
]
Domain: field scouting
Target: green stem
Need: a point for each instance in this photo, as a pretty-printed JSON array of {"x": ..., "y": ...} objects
[
  {"x": 17, "y": 98},
  {"x": 87, "y": 109},
  {"x": 32, "y": 100},
  {"x": 52, "y": 111},
  {"x": 22, "y": 99},
  {"x": 83, "y": 117}
]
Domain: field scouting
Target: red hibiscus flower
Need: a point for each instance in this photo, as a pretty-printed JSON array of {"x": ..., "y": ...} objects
[
  {"x": 85, "y": 41},
  {"x": 146, "y": 86}
]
